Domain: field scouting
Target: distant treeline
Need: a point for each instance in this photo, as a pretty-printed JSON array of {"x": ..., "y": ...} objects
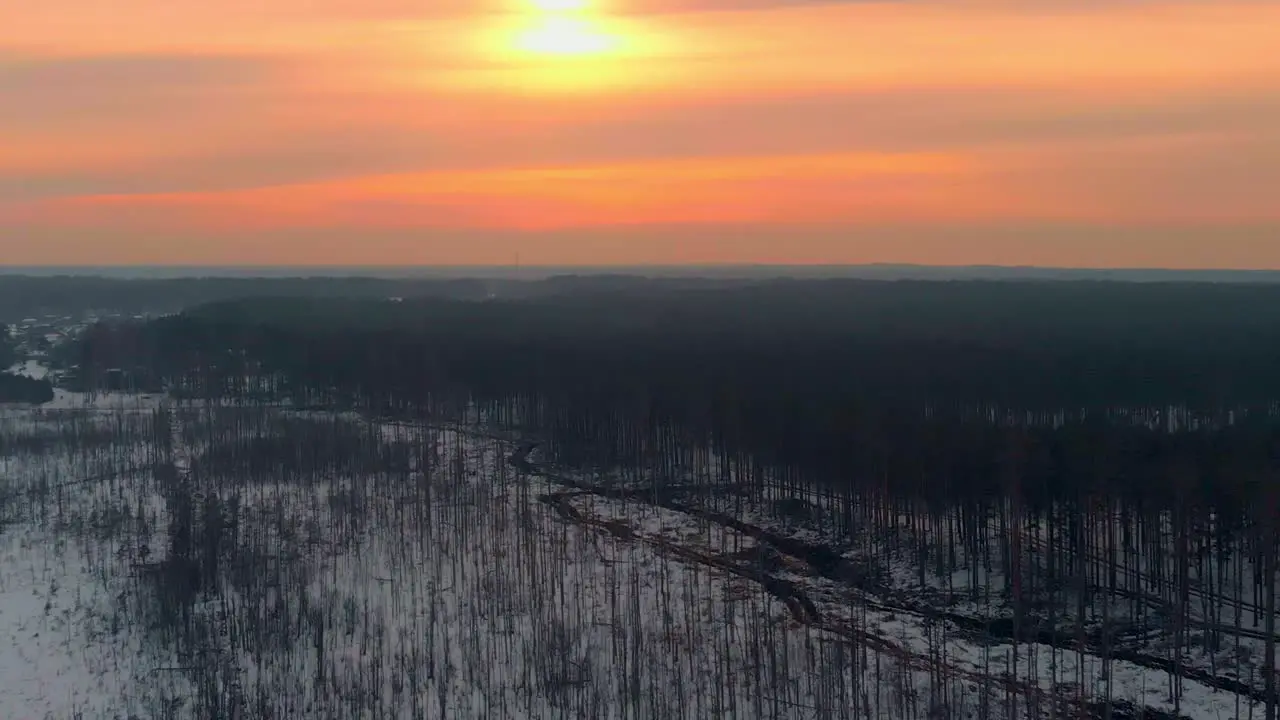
[
  {"x": 22, "y": 389},
  {"x": 24, "y": 297},
  {"x": 7, "y": 354},
  {"x": 1075, "y": 388},
  {"x": 31, "y": 296}
]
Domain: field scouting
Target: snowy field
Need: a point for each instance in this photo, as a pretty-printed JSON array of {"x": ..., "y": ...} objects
[
  {"x": 30, "y": 368},
  {"x": 192, "y": 562}
]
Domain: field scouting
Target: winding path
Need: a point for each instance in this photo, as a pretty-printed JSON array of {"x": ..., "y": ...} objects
[{"x": 826, "y": 563}]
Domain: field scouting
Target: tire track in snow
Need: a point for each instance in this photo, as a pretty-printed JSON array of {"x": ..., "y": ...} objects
[{"x": 801, "y": 607}]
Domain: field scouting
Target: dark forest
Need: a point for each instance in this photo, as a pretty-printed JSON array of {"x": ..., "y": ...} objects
[{"x": 1090, "y": 459}]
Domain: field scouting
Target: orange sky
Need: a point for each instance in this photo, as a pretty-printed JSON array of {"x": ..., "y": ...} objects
[{"x": 1051, "y": 132}]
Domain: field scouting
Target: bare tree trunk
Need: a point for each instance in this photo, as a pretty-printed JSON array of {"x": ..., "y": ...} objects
[{"x": 1270, "y": 578}]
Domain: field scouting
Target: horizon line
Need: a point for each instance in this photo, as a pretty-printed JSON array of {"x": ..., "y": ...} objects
[{"x": 9, "y": 268}]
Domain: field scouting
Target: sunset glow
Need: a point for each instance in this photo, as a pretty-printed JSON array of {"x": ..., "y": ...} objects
[
  {"x": 565, "y": 36},
  {"x": 560, "y": 126},
  {"x": 564, "y": 28},
  {"x": 561, "y": 6}
]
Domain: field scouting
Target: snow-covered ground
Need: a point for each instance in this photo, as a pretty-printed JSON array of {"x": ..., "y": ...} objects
[
  {"x": 67, "y": 645},
  {"x": 893, "y": 554},
  {"x": 158, "y": 561},
  {"x": 31, "y": 368},
  {"x": 848, "y": 612}
]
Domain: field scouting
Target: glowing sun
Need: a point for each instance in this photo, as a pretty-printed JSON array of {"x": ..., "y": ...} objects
[
  {"x": 561, "y": 6},
  {"x": 564, "y": 28},
  {"x": 565, "y": 36},
  {"x": 563, "y": 46}
]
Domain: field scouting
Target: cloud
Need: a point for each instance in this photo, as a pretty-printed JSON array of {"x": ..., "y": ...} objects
[
  {"x": 112, "y": 92},
  {"x": 1193, "y": 179},
  {"x": 77, "y": 74},
  {"x": 288, "y": 136}
]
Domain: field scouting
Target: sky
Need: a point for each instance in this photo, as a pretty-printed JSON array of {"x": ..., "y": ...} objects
[{"x": 1084, "y": 133}]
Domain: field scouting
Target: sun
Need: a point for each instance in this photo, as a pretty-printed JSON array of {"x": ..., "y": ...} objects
[
  {"x": 561, "y": 46},
  {"x": 563, "y": 28},
  {"x": 561, "y": 6},
  {"x": 565, "y": 36}
]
